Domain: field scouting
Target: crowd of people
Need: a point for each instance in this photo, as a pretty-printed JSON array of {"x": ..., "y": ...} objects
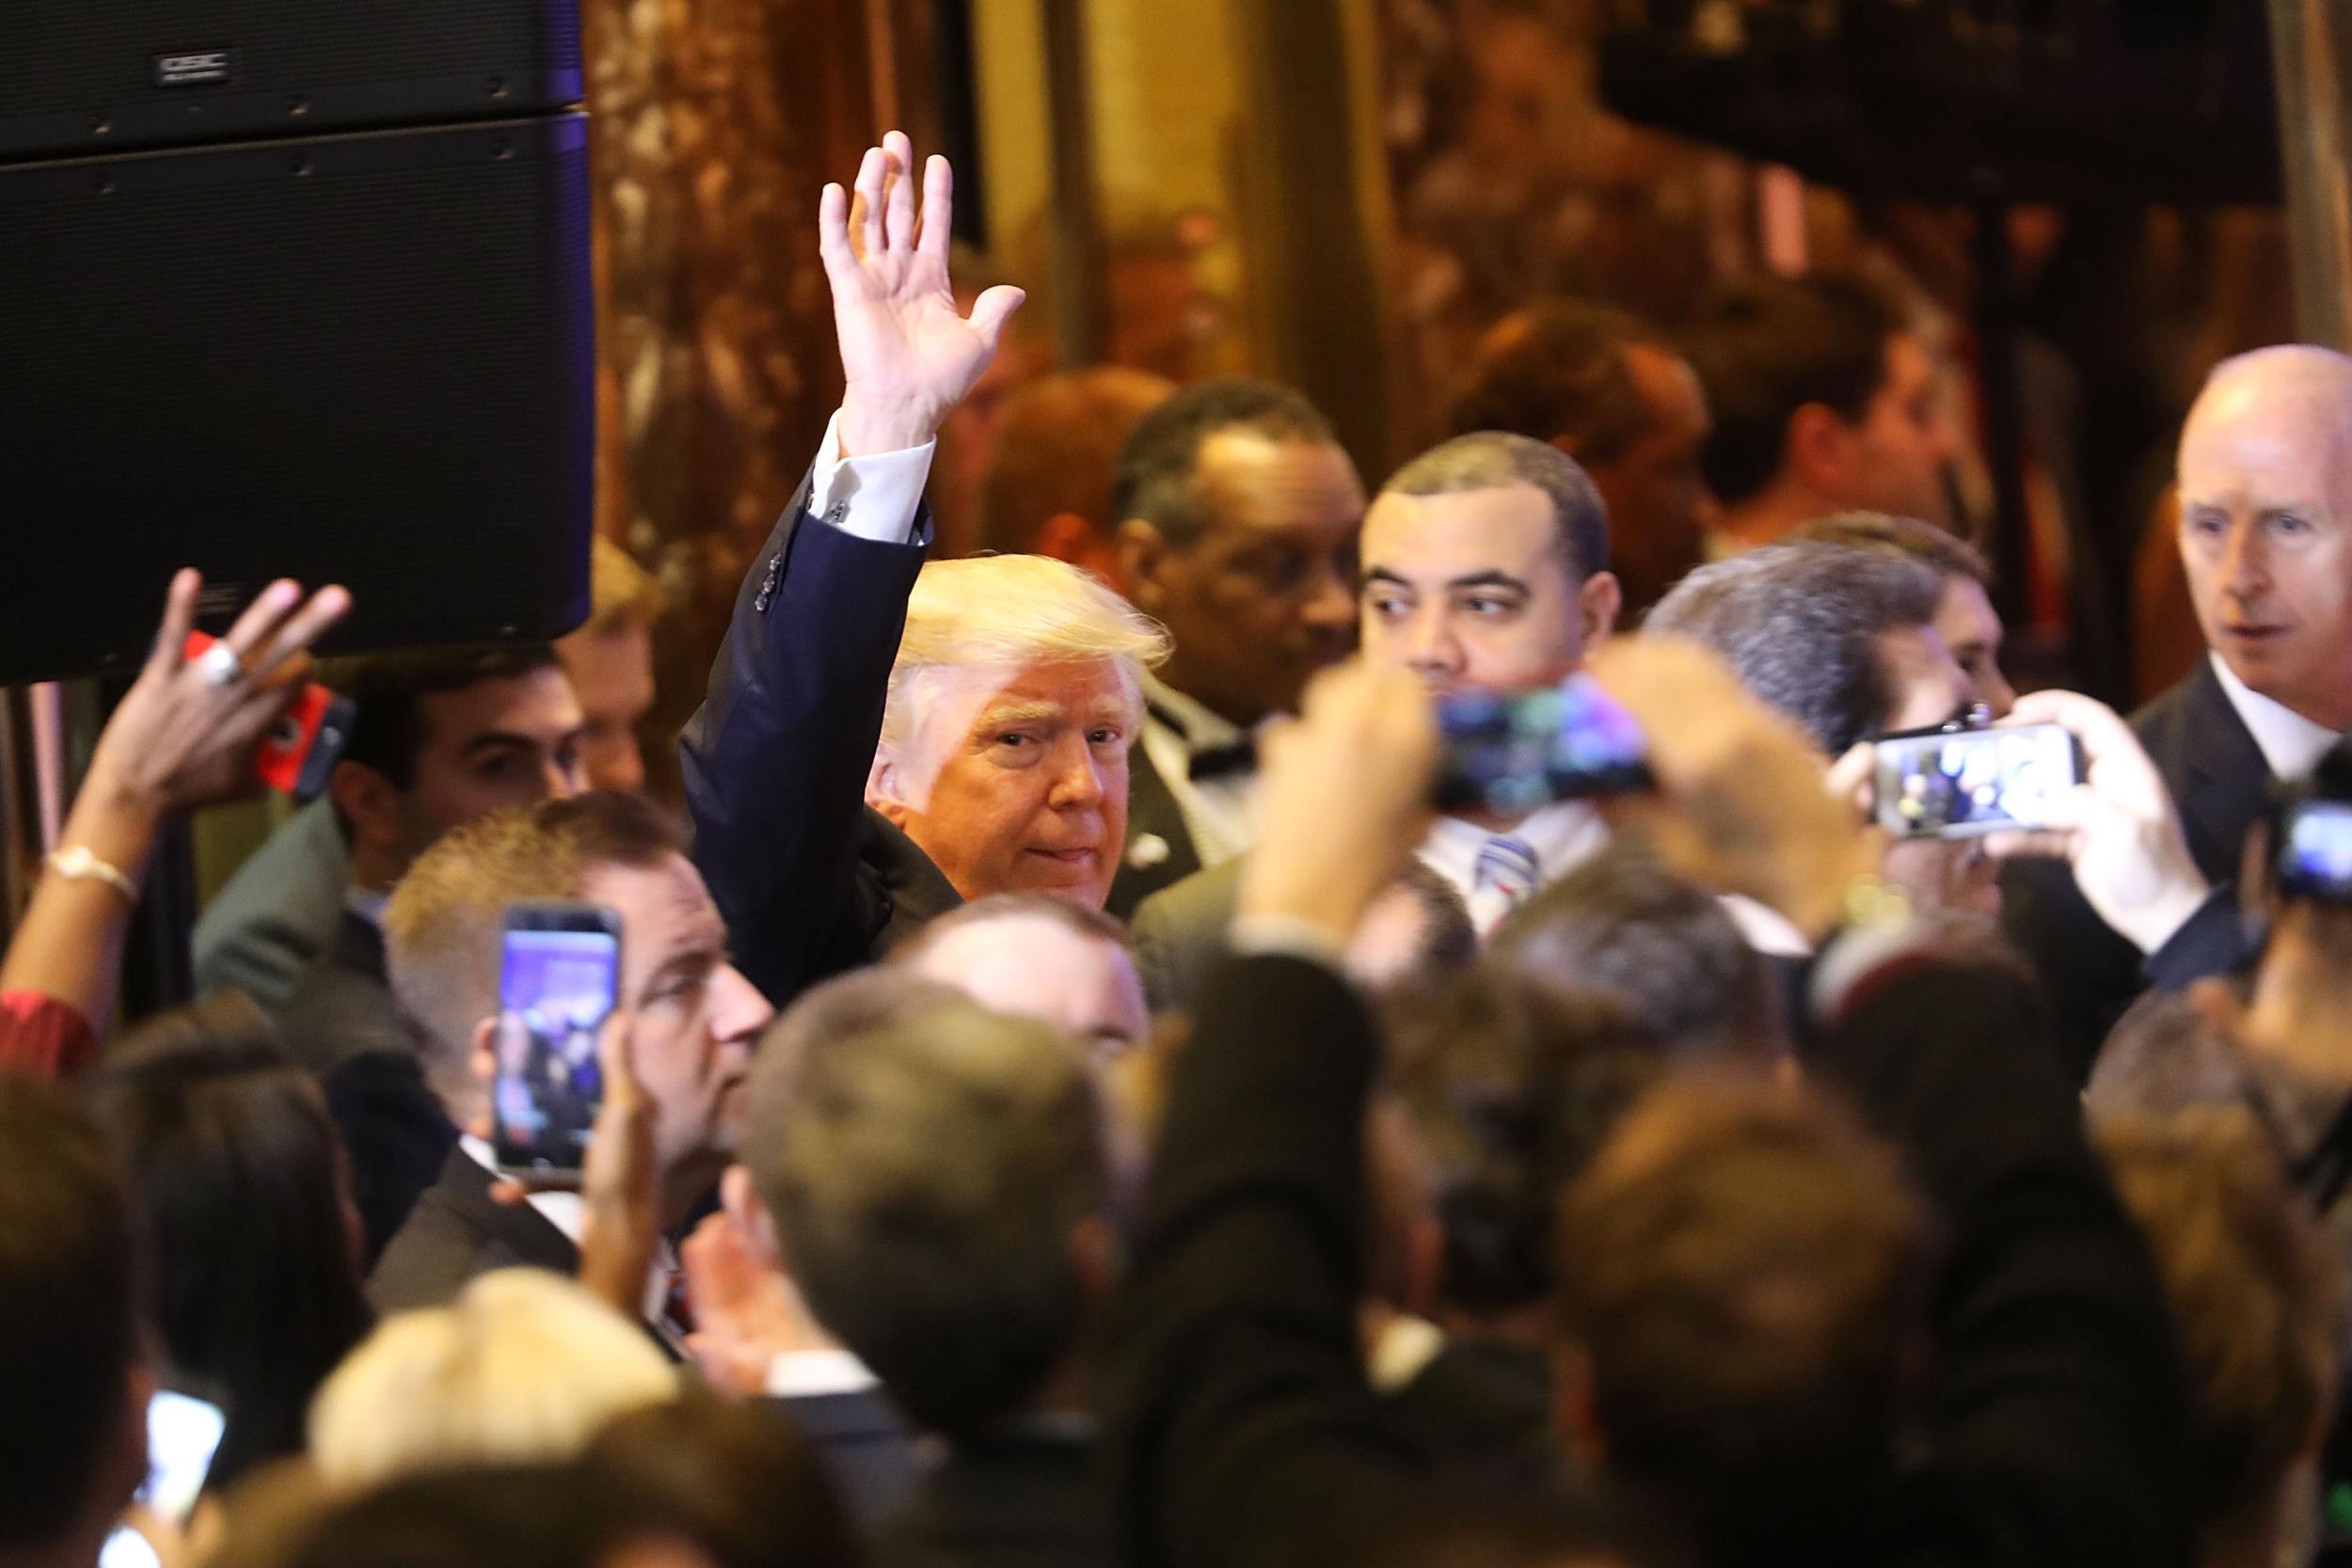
[{"x": 1073, "y": 1100}]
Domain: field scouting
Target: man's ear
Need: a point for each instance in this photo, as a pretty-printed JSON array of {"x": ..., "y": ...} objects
[
  {"x": 1597, "y": 602},
  {"x": 368, "y": 802},
  {"x": 1815, "y": 451},
  {"x": 741, "y": 1200},
  {"x": 885, "y": 790},
  {"x": 1143, "y": 556}
]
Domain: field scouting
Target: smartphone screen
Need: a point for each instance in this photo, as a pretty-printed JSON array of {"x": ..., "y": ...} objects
[
  {"x": 1957, "y": 783},
  {"x": 2316, "y": 851},
  {"x": 1511, "y": 753},
  {"x": 559, "y": 978},
  {"x": 182, "y": 1434}
]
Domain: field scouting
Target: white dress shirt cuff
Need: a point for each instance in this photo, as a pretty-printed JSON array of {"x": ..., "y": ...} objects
[
  {"x": 1285, "y": 936},
  {"x": 807, "y": 1374},
  {"x": 875, "y": 497}
]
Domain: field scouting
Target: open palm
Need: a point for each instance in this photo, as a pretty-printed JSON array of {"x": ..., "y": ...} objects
[{"x": 908, "y": 355}]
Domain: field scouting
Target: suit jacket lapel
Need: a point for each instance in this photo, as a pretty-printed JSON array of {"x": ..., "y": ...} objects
[
  {"x": 515, "y": 1227},
  {"x": 1159, "y": 851},
  {"x": 2228, "y": 778}
]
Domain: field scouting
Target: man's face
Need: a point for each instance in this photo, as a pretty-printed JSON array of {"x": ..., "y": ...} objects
[
  {"x": 514, "y": 742},
  {"x": 1037, "y": 968},
  {"x": 1972, "y": 634},
  {"x": 1926, "y": 686},
  {"x": 2265, "y": 515},
  {"x": 1472, "y": 590},
  {"x": 1660, "y": 507},
  {"x": 1017, "y": 782},
  {"x": 1266, "y": 596},
  {"x": 611, "y": 674},
  {"x": 1893, "y": 460},
  {"x": 697, "y": 1019}
]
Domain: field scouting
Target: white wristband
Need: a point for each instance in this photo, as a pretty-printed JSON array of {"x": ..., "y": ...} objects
[{"x": 75, "y": 863}]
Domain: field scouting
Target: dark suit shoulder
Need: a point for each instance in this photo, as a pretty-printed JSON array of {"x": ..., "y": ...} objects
[
  {"x": 456, "y": 1233},
  {"x": 1178, "y": 933},
  {"x": 901, "y": 889},
  {"x": 1015, "y": 1503}
]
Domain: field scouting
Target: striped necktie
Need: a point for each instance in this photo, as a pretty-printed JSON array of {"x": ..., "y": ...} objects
[{"x": 1507, "y": 874}]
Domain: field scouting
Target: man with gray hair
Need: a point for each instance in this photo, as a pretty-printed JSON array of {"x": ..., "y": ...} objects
[
  {"x": 1842, "y": 641},
  {"x": 883, "y": 739},
  {"x": 940, "y": 1176}
]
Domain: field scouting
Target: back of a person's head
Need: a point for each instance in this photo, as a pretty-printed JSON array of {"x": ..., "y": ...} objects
[
  {"x": 1622, "y": 926},
  {"x": 2165, "y": 1057},
  {"x": 2256, "y": 1293},
  {"x": 239, "y": 1171},
  {"x": 1936, "y": 547},
  {"x": 748, "y": 1489},
  {"x": 386, "y": 690},
  {"x": 1766, "y": 347},
  {"x": 523, "y": 1366},
  {"x": 441, "y": 928},
  {"x": 1510, "y": 1090},
  {"x": 1803, "y": 627},
  {"x": 69, "y": 1322},
  {"x": 1057, "y": 450},
  {"x": 1743, "y": 1278},
  {"x": 1480, "y": 1527},
  {"x": 1497, "y": 460},
  {"x": 1556, "y": 371},
  {"x": 926, "y": 1164},
  {"x": 1157, "y": 478}
]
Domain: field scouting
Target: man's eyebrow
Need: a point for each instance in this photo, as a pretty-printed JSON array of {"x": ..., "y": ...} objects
[
  {"x": 1005, "y": 714},
  {"x": 1491, "y": 577},
  {"x": 1381, "y": 574},
  {"x": 501, "y": 741}
]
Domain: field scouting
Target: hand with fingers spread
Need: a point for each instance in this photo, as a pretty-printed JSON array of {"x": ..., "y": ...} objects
[
  {"x": 908, "y": 354},
  {"x": 184, "y": 735},
  {"x": 2117, "y": 829}
]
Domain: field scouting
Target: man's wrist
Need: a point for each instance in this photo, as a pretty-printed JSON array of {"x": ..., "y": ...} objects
[
  {"x": 867, "y": 430},
  {"x": 2149, "y": 925}
]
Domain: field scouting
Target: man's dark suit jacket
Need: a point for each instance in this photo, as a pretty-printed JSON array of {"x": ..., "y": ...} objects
[
  {"x": 1152, "y": 815},
  {"x": 455, "y": 1233},
  {"x": 342, "y": 1025},
  {"x": 1243, "y": 1432},
  {"x": 1006, "y": 1501},
  {"x": 862, "y": 1443},
  {"x": 2218, "y": 779},
  {"x": 810, "y": 882}
]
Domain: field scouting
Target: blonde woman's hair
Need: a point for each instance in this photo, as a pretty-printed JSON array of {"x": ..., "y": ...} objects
[
  {"x": 523, "y": 1367},
  {"x": 1009, "y": 611},
  {"x": 622, "y": 594}
]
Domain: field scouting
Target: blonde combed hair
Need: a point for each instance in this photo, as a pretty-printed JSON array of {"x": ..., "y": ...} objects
[
  {"x": 523, "y": 1367},
  {"x": 1010, "y": 612}
]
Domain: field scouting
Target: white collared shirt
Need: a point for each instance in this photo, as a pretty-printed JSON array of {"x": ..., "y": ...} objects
[
  {"x": 1563, "y": 836},
  {"x": 879, "y": 493},
  {"x": 2290, "y": 743},
  {"x": 1219, "y": 813}
]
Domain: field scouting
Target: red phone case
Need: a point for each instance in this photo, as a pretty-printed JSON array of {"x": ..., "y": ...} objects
[{"x": 297, "y": 751}]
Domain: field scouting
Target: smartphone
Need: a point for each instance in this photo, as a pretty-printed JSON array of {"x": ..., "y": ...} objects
[
  {"x": 2314, "y": 853},
  {"x": 1509, "y": 753},
  {"x": 1958, "y": 784},
  {"x": 300, "y": 750},
  {"x": 182, "y": 1434},
  {"x": 559, "y": 978}
]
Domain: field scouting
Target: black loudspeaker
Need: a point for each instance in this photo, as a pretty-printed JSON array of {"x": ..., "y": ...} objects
[
  {"x": 83, "y": 76},
  {"x": 291, "y": 286},
  {"x": 364, "y": 359}
]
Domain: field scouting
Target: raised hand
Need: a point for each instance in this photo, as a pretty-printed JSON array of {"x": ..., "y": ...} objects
[{"x": 908, "y": 354}]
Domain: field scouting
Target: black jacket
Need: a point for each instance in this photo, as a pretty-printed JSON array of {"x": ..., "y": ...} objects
[
  {"x": 862, "y": 1442},
  {"x": 2218, "y": 779},
  {"x": 1155, "y": 819},
  {"x": 1011, "y": 1500},
  {"x": 2056, "y": 1422},
  {"x": 811, "y": 883},
  {"x": 455, "y": 1233}
]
